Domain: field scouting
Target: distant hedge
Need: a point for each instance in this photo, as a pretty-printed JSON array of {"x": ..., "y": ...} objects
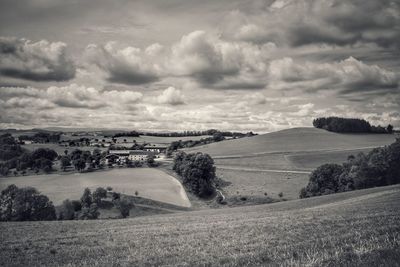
[
  {"x": 349, "y": 125},
  {"x": 379, "y": 167}
]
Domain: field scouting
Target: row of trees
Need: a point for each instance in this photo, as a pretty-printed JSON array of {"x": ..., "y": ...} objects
[
  {"x": 379, "y": 167},
  {"x": 197, "y": 171},
  {"x": 217, "y": 137},
  {"x": 42, "y": 137},
  {"x": 349, "y": 125}
]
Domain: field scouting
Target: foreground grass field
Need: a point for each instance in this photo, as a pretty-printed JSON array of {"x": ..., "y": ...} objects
[
  {"x": 359, "y": 228},
  {"x": 149, "y": 183}
]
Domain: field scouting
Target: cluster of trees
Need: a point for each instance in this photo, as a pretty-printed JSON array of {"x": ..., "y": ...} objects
[
  {"x": 349, "y": 125},
  {"x": 216, "y": 137},
  {"x": 379, "y": 167},
  {"x": 82, "y": 160},
  {"x": 9, "y": 148},
  {"x": 197, "y": 171},
  {"x": 131, "y": 134},
  {"x": 25, "y": 204},
  {"x": 87, "y": 208},
  {"x": 14, "y": 157},
  {"x": 42, "y": 137}
]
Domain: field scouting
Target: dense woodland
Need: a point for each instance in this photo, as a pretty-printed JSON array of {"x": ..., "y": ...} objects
[
  {"x": 349, "y": 125},
  {"x": 379, "y": 167}
]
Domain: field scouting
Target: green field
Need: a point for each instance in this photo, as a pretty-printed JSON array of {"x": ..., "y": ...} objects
[
  {"x": 150, "y": 183},
  {"x": 359, "y": 228}
]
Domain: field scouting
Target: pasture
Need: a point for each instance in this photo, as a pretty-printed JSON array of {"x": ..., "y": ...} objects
[
  {"x": 257, "y": 183},
  {"x": 150, "y": 183},
  {"x": 294, "y": 140},
  {"x": 358, "y": 228}
]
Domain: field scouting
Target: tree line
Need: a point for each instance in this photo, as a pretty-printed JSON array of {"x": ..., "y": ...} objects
[
  {"x": 15, "y": 157},
  {"x": 184, "y": 133},
  {"x": 27, "y": 204},
  {"x": 349, "y": 125},
  {"x": 379, "y": 167}
]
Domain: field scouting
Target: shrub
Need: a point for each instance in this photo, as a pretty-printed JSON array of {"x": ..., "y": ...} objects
[
  {"x": 66, "y": 211},
  {"x": 89, "y": 212},
  {"x": 86, "y": 198},
  {"x": 124, "y": 206}
]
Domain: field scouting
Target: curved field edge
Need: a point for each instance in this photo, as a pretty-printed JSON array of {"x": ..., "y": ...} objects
[{"x": 353, "y": 228}]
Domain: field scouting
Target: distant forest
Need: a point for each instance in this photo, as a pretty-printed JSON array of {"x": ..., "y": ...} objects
[
  {"x": 349, "y": 125},
  {"x": 184, "y": 133}
]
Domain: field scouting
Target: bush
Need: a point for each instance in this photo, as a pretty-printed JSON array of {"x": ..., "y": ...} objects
[
  {"x": 124, "y": 206},
  {"x": 89, "y": 212},
  {"x": 86, "y": 198},
  {"x": 25, "y": 204},
  {"x": 66, "y": 211}
]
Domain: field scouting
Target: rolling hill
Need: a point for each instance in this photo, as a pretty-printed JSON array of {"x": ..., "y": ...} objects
[
  {"x": 358, "y": 228},
  {"x": 294, "y": 140},
  {"x": 281, "y": 161}
]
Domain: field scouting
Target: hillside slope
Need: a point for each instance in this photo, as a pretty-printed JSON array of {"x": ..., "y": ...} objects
[
  {"x": 294, "y": 140},
  {"x": 358, "y": 228}
]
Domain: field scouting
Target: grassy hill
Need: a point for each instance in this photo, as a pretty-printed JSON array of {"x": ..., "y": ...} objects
[
  {"x": 294, "y": 140},
  {"x": 281, "y": 161},
  {"x": 358, "y": 228}
]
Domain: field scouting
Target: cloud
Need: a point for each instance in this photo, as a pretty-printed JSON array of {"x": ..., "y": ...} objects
[
  {"x": 129, "y": 65},
  {"x": 219, "y": 64},
  {"x": 303, "y": 22},
  {"x": 349, "y": 75},
  {"x": 171, "y": 96},
  {"x": 36, "y": 61},
  {"x": 70, "y": 96}
]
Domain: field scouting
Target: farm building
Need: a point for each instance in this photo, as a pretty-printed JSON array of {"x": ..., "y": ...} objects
[
  {"x": 134, "y": 155},
  {"x": 156, "y": 148}
]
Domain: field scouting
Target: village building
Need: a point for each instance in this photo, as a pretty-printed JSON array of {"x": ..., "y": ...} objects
[{"x": 155, "y": 148}]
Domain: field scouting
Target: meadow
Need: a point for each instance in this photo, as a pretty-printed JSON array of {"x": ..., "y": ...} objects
[
  {"x": 358, "y": 228},
  {"x": 149, "y": 183}
]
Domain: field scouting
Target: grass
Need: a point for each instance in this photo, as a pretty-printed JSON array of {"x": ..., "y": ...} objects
[
  {"x": 150, "y": 183},
  {"x": 254, "y": 183},
  {"x": 358, "y": 228},
  {"x": 294, "y": 140}
]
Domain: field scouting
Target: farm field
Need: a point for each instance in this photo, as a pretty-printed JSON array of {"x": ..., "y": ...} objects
[
  {"x": 257, "y": 183},
  {"x": 150, "y": 183},
  {"x": 60, "y": 149},
  {"x": 295, "y": 140},
  {"x": 358, "y": 228}
]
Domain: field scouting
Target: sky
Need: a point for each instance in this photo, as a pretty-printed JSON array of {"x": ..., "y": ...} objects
[{"x": 237, "y": 65}]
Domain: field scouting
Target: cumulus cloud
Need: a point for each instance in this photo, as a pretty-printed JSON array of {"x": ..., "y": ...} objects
[
  {"x": 219, "y": 64},
  {"x": 337, "y": 22},
  {"x": 171, "y": 96},
  {"x": 129, "y": 65},
  {"x": 349, "y": 75},
  {"x": 36, "y": 61}
]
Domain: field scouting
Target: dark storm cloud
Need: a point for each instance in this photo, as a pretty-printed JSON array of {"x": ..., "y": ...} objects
[{"x": 35, "y": 61}]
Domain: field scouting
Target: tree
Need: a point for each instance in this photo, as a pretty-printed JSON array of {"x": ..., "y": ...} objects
[
  {"x": 65, "y": 162},
  {"x": 389, "y": 128},
  {"x": 218, "y": 137},
  {"x": 99, "y": 194},
  {"x": 25, "y": 204},
  {"x": 66, "y": 211},
  {"x": 197, "y": 171},
  {"x": 79, "y": 164},
  {"x": 86, "y": 198},
  {"x": 89, "y": 212},
  {"x": 124, "y": 206},
  {"x": 324, "y": 180}
]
